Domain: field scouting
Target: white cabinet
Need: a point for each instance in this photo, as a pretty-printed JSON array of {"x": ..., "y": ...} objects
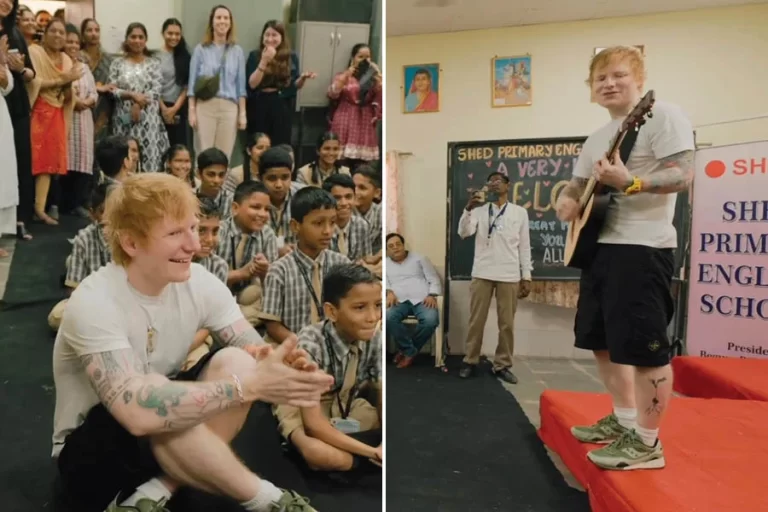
[{"x": 325, "y": 48}]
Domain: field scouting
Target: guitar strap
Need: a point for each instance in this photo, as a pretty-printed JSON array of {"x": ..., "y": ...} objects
[{"x": 627, "y": 145}]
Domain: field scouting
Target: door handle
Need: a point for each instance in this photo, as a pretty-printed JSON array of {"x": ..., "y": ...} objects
[
  {"x": 338, "y": 38},
  {"x": 332, "y": 38}
]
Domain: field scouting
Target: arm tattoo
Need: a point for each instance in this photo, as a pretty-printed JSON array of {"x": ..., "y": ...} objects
[
  {"x": 674, "y": 175},
  {"x": 239, "y": 334},
  {"x": 120, "y": 381},
  {"x": 575, "y": 188}
]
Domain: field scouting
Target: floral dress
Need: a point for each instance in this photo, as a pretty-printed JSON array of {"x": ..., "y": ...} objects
[{"x": 145, "y": 78}]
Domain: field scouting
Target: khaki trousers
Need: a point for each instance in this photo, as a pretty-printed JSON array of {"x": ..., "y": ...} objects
[
  {"x": 480, "y": 293},
  {"x": 216, "y": 125}
]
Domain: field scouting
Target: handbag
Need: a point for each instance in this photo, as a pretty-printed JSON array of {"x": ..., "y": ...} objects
[{"x": 207, "y": 86}]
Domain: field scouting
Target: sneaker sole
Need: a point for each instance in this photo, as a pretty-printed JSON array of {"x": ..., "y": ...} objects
[{"x": 651, "y": 464}]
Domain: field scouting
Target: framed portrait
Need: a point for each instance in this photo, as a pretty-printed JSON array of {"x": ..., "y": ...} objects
[
  {"x": 640, "y": 47},
  {"x": 421, "y": 88},
  {"x": 511, "y": 81}
]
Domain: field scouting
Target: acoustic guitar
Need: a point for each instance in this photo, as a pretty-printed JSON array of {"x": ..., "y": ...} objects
[{"x": 583, "y": 232}]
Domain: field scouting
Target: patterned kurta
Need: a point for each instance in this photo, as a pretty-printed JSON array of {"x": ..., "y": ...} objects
[
  {"x": 353, "y": 120},
  {"x": 81, "y": 132},
  {"x": 102, "y": 113},
  {"x": 144, "y": 78}
]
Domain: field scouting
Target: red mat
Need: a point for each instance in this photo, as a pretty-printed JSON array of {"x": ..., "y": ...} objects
[
  {"x": 716, "y": 453},
  {"x": 707, "y": 377}
]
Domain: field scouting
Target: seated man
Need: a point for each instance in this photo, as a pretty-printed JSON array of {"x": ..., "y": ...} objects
[
  {"x": 90, "y": 252},
  {"x": 344, "y": 431},
  {"x": 412, "y": 288},
  {"x": 129, "y": 428}
]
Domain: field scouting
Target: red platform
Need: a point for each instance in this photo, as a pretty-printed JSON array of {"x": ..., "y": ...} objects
[
  {"x": 716, "y": 453},
  {"x": 706, "y": 377}
]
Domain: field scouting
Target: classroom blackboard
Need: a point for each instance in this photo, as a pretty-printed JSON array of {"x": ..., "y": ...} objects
[{"x": 538, "y": 169}]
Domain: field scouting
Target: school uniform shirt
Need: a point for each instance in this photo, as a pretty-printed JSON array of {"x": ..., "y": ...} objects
[
  {"x": 373, "y": 217},
  {"x": 287, "y": 295},
  {"x": 230, "y": 235},
  {"x": 216, "y": 265},
  {"x": 223, "y": 201},
  {"x": 105, "y": 313},
  {"x": 280, "y": 221},
  {"x": 357, "y": 236},
  {"x": 502, "y": 242},
  {"x": 325, "y": 347},
  {"x": 305, "y": 175},
  {"x": 90, "y": 252}
]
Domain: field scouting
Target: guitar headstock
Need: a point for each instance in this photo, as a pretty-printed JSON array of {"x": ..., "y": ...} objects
[{"x": 642, "y": 110}]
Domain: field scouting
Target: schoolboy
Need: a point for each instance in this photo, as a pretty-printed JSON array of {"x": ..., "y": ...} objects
[
  {"x": 90, "y": 251},
  {"x": 351, "y": 237},
  {"x": 249, "y": 246},
  {"x": 114, "y": 158},
  {"x": 367, "y": 193},
  {"x": 344, "y": 431},
  {"x": 275, "y": 167},
  {"x": 212, "y": 167},
  {"x": 293, "y": 288}
]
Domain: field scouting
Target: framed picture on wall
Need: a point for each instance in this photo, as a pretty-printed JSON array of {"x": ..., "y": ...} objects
[
  {"x": 511, "y": 81},
  {"x": 640, "y": 47},
  {"x": 421, "y": 88}
]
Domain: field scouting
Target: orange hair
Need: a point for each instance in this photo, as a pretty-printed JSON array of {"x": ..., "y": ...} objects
[
  {"x": 141, "y": 201},
  {"x": 629, "y": 53}
]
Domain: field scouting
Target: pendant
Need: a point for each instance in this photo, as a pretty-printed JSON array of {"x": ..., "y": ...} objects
[{"x": 151, "y": 340}]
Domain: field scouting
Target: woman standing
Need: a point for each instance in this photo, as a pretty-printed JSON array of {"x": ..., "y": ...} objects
[
  {"x": 99, "y": 62},
  {"x": 137, "y": 78},
  {"x": 217, "y": 108},
  {"x": 50, "y": 94},
  {"x": 27, "y": 25},
  {"x": 174, "y": 68},
  {"x": 9, "y": 193},
  {"x": 358, "y": 94},
  {"x": 18, "y": 104},
  {"x": 271, "y": 71},
  {"x": 76, "y": 185}
]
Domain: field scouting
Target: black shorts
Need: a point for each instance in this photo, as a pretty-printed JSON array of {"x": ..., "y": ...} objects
[
  {"x": 101, "y": 459},
  {"x": 625, "y": 304}
]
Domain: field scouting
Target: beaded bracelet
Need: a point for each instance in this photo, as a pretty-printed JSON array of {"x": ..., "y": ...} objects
[{"x": 239, "y": 388}]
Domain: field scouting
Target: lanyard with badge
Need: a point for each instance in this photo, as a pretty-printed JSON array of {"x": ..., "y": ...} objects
[
  {"x": 277, "y": 221},
  {"x": 344, "y": 424},
  {"x": 493, "y": 220},
  {"x": 310, "y": 288}
]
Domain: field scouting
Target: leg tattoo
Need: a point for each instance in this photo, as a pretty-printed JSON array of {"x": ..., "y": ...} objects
[{"x": 654, "y": 407}]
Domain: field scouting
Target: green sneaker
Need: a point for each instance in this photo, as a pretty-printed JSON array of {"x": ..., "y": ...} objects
[
  {"x": 291, "y": 501},
  {"x": 605, "y": 431},
  {"x": 629, "y": 452},
  {"x": 144, "y": 505}
]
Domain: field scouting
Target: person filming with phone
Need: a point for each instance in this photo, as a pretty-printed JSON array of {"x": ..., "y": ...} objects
[{"x": 502, "y": 265}]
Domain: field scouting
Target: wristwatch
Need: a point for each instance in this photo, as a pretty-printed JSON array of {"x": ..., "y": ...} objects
[{"x": 635, "y": 187}]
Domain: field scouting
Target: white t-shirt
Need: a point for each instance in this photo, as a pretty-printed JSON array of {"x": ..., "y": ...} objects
[
  {"x": 641, "y": 219},
  {"x": 105, "y": 313}
]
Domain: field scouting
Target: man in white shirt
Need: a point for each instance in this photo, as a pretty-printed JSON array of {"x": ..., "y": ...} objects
[
  {"x": 126, "y": 418},
  {"x": 412, "y": 289},
  {"x": 502, "y": 265},
  {"x": 625, "y": 304}
]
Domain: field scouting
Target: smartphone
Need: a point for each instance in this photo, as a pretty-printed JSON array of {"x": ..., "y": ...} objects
[{"x": 362, "y": 68}]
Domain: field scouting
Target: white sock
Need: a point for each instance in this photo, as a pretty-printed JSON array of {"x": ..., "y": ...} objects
[
  {"x": 267, "y": 495},
  {"x": 648, "y": 435},
  {"x": 153, "y": 489},
  {"x": 627, "y": 417}
]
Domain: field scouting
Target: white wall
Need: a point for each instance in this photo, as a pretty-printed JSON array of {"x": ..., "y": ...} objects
[
  {"x": 44, "y": 5},
  {"x": 114, "y": 17},
  {"x": 711, "y": 62}
]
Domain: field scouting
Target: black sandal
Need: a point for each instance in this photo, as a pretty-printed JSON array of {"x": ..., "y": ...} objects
[{"x": 22, "y": 233}]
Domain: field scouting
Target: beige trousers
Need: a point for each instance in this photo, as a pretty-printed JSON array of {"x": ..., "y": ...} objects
[
  {"x": 216, "y": 125},
  {"x": 480, "y": 293}
]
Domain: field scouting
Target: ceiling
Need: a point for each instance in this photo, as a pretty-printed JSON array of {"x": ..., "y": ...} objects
[{"x": 411, "y": 17}]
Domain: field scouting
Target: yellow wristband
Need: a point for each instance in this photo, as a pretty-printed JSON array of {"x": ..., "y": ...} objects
[{"x": 635, "y": 187}]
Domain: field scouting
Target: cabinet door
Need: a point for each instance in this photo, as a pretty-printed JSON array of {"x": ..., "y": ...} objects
[
  {"x": 317, "y": 41},
  {"x": 347, "y": 36}
]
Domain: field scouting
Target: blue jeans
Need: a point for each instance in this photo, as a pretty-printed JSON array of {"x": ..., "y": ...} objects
[{"x": 428, "y": 318}]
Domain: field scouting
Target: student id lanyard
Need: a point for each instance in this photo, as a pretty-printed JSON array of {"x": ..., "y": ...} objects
[
  {"x": 492, "y": 220},
  {"x": 310, "y": 288},
  {"x": 277, "y": 219},
  {"x": 332, "y": 360},
  {"x": 234, "y": 243}
]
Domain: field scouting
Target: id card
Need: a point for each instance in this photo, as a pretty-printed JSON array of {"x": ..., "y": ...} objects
[
  {"x": 348, "y": 426},
  {"x": 280, "y": 241}
]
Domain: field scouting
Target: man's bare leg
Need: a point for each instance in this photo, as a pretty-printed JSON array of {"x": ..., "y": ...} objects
[
  {"x": 653, "y": 388},
  {"x": 200, "y": 457},
  {"x": 619, "y": 380}
]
